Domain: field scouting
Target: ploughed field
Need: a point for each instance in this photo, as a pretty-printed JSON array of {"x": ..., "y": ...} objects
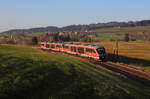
[
  {"x": 136, "y": 53},
  {"x": 31, "y": 73}
]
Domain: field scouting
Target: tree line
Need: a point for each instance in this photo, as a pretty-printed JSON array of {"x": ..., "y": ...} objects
[{"x": 66, "y": 36}]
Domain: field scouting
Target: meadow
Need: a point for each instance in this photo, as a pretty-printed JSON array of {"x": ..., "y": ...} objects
[
  {"x": 30, "y": 73},
  {"x": 118, "y": 33},
  {"x": 123, "y": 29}
]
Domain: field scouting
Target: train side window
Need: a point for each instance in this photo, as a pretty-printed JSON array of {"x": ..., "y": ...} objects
[
  {"x": 90, "y": 50},
  {"x": 42, "y": 44},
  {"x": 73, "y": 48},
  {"x": 60, "y": 46},
  {"x": 47, "y": 45},
  {"x": 80, "y": 50},
  {"x": 52, "y": 46},
  {"x": 57, "y": 45},
  {"x": 63, "y": 45},
  {"x": 93, "y": 51},
  {"x": 67, "y": 47}
]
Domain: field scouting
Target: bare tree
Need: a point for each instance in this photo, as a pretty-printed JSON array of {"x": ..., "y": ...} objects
[{"x": 126, "y": 37}]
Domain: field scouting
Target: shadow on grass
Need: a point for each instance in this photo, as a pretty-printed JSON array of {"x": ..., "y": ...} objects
[
  {"x": 127, "y": 60},
  {"x": 29, "y": 79}
]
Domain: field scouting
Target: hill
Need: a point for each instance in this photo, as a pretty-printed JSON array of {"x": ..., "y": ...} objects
[
  {"x": 123, "y": 29},
  {"x": 111, "y": 31},
  {"x": 82, "y": 27},
  {"x": 29, "y": 73}
]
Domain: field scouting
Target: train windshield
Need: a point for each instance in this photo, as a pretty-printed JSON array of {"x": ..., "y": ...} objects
[{"x": 101, "y": 50}]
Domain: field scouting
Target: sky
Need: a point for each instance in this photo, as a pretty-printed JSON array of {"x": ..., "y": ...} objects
[{"x": 21, "y": 14}]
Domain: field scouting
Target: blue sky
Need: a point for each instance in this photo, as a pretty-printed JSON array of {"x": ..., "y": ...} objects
[{"x": 41, "y": 13}]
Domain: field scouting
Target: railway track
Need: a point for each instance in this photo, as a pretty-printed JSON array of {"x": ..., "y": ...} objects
[
  {"x": 125, "y": 70},
  {"x": 129, "y": 72}
]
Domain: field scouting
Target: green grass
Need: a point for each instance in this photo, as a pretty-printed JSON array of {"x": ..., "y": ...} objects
[
  {"x": 3, "y": 34},
  {"x": 27, "y": 73},
  {"x": 123, "y": 30},
  {"x": 108, "y": 37},
  {"x": 118, "y": 33},
  {"x": 33, "y": 34},
  {"x": 37, "y": 34}
]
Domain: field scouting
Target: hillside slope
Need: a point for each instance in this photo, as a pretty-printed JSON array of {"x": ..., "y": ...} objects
[
  {"x": 28, "y": 73},
  {"x": 81, "y": 27},
  {"x": 139, "y": 33},
  {"x": 123, "y": 29}
]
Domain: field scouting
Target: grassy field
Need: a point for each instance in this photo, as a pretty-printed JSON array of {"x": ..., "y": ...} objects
[
  {"x": 123, "y": 29},
  {"x": 38, "y": 34},
  {"x": 118, "y": 33},
  {"x": 33, "y": 34},
  {"x": 108, "y": 37},
  {"x": 29, "y": 73}
]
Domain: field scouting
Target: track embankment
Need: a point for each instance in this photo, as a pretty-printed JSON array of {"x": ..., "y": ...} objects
[
  {"x": 128, "y": 71},
  {"x": 123, "y": 69}
]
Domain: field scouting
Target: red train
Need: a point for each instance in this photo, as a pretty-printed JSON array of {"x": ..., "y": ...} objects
[{"x": 92, "y": 51}]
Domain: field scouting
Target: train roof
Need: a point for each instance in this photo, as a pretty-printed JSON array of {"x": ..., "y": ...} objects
[
  {"x": 86, "y": 45},
  {"x": 96, "y": 46}
]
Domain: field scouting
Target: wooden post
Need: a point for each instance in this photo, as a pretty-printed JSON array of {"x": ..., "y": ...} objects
[
  {"x": 116, "y": 50},
  {"x": 117, "y": 47}
]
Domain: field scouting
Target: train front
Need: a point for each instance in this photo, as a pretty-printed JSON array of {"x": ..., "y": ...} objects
[{"x": 102, "y": 53}]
